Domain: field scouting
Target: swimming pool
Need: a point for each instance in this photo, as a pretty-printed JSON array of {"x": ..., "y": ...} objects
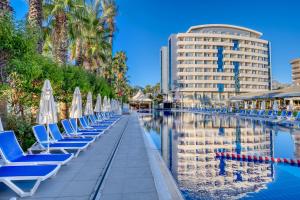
[{"x": 188, "y": 144}]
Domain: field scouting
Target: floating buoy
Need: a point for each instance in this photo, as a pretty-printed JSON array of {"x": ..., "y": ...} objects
[{"x": 254, "y": 158}]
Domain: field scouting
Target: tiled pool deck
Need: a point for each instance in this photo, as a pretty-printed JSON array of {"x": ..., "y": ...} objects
[{"x": 128, "y": 176}]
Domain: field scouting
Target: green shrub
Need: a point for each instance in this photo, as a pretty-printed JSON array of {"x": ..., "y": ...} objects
[{"x": 22, "y": 129}]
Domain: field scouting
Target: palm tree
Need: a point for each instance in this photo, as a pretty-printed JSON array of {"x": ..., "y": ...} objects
[
  {"x": 95, "y": 48},
  {"x": 109, "y": 13},
  {"x": 5, "y": 6},
  {"x": 35, "y": 18},
  {"x": 57, "y": 14}
]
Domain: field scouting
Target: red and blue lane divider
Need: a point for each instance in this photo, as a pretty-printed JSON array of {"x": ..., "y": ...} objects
[{"x": 253, "y": 158}]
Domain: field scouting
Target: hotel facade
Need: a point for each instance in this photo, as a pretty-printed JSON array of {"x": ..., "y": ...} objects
[
  {"x": 211, "y": 63},
  {"x": 296, "y": 71}
]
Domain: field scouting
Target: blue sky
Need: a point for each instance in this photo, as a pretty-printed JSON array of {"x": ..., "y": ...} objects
[{"x": 145, "y": 25}]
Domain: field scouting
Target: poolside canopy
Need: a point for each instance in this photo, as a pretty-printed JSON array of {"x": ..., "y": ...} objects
[
  {"x": 140, "y": 100},
  {"x": 293, "y": 91}
]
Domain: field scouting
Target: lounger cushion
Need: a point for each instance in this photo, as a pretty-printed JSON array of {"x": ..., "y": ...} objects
[
  {"x": 32, "y": 171},
  {"x": 43, "y": 158},
  {"x": 66, "y": 145}
]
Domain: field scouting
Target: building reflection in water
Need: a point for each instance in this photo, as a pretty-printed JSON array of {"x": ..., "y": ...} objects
[{"x": 188, "y": 145}]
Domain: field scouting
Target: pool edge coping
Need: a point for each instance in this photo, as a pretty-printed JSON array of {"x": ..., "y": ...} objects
[{"x": 166, "y": 186}]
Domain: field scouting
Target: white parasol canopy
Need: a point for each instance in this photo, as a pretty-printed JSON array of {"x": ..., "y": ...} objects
[
  {"x": 1, "y": 126},
  {"x": 253, "y": 105},
  {"x": 290, "y": 106},
  {"x": 89, "y": 105},
  {"x": 263, "y": 105},
  {"x": 104, "y": 105},
  {"x": 47, "y": 112},
  {"x": 275, "y": 106},
  {"x": 245, "y": 105},
  {"x": 76, "y": 107},
  {"x": 98, "y": 104}
]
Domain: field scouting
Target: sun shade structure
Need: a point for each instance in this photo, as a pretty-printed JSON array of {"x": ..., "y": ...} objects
[
  {"x": 89, "y": 105},
  {"x": 104, "y": 105},
  {"x": 47, "y": 112},
  {"x": 1, "y": 126},
  {"x": 293, "y": 91},
  {"x": 263, "y": 105},
  {"x": 76, "y": 107},
  {"x": 98, "y": 104}
]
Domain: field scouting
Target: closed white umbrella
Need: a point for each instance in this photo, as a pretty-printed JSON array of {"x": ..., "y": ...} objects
[
  {"x": 263, "y": 105},
  {"x": 245, "y": 105},
  {"x": 98, "y": 104},
  {"x": 89, "y": 105},
  {"x": 237, "y": 106},
  {"x": 275, "y": 106},
  {"x": 290, "y": 106},
  {"x": 76, "y": 107},
  {"x": 108, "y": 105},
  {"x": 1, "y": 126},
  {"x": 47, "y": 112},
  {"x": 104, "y": 105},
  {"x": 253, "y": 105}
]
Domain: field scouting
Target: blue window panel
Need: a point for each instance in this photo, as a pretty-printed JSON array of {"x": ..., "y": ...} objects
[
  {"x": 220, "y": 87},
  {"x": 221, "y": 131},
  {"x": 220, "y": 59},
  {"x": 235, "y": 44},
  {"x": 236, "y": 71}
]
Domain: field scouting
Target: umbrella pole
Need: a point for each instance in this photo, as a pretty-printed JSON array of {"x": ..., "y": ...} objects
[
  {"x": 48, "y": 138},
  {"x": 76, "y": 127}
]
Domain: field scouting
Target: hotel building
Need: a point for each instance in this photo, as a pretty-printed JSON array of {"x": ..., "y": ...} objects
[
  {"x": 296, "y": 71},
  {"x": 210, "y": 63}
]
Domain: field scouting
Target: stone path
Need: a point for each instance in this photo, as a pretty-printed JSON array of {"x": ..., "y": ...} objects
[{"x": 129, "y": 175}]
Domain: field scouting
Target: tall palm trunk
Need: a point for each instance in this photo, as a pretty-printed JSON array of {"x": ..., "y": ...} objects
[
  {"x": 35, "y": 17},
  {"x": 60, "y": 38},
  {"x": 79, "y": 52}
]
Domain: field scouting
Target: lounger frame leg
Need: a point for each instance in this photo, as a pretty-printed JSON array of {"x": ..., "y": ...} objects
[{"x": 18, "y": 190}]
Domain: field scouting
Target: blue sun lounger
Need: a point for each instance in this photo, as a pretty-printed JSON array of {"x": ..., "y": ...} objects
[
  {"x": 86, "y": 125},
  {"x": 100, "y": 126},
  {"x": 102, "y": 122},
  {"x": 12, "y": 153},
  {"x": 40, "y": 133},
  {"x": 70, "y": 131},
  {"x": 58, "y": 137},
  {"x": 82, "y": 129},
  {"x": 37, "y": 173}
]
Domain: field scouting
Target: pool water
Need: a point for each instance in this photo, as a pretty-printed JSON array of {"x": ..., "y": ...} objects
[{"x": 188, "y": 143}]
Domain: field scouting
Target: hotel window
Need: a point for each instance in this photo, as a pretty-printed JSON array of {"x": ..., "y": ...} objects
[
  {"x": 197, "y": 46},
  {"x": 189, "y": 78},
  {"x": 188, "y": 46},
  {"x": 189, "y": 54},
  {"x": 189, "y": 69},
  {"x": 198, "y": 54},
  {"x": 198, "y": 69},
  {"x": 188, "y": 39},
  {"x": 199, "y": 61},
  {"x": 198, "y": 77}
]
